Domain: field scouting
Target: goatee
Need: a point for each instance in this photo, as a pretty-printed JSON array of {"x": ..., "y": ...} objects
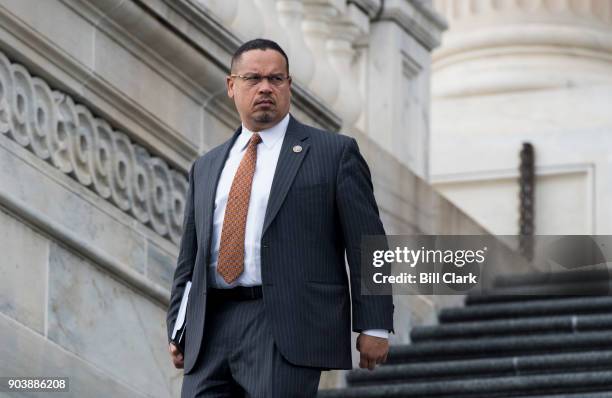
[{"x": 264, "y": 117}]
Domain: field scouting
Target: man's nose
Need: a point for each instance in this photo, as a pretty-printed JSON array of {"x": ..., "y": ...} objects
[{"x": 265, "y": 86}]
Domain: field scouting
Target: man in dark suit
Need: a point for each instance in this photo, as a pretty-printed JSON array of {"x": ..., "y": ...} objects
[{"x": 269, "y": 216}]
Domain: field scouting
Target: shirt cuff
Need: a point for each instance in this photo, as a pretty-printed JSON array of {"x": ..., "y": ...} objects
[{"x": 382, "y": 333}]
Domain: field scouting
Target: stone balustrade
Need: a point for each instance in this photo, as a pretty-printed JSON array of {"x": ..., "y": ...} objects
[
  {"x": 350, "y": 54},
  {"x": 319, "y": 37}
]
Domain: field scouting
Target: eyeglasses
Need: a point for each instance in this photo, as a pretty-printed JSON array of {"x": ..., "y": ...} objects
[{"x": 254, "y": 80}]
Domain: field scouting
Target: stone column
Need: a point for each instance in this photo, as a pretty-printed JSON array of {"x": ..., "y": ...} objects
[
  {"x": 500, "y": 46},
  {"x": 525, "y": 70}
]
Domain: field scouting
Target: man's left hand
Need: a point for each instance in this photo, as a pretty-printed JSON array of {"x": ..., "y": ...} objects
[{"x": 373, "y": 350}]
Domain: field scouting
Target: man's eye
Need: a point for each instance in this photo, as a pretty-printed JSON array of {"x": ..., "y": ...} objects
[
  {"x": 252, "y": 79},
  {"x": 277, "y": 79}
]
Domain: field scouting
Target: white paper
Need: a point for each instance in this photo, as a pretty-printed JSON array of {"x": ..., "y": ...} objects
[{"x": 180, "y": 318}]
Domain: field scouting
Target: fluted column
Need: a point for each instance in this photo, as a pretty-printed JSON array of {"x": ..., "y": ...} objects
[
  {"x": 525, "y": 70},
  {"x": 496, "y": 46},
  {"x": 316, "y": 27},
  {"x": 290, "y": 14}
]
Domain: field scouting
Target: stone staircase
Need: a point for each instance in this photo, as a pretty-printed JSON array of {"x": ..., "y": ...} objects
[{"x": 503, "y": 345}]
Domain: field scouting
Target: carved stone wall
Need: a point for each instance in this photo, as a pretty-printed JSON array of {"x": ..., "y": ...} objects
[{"x": 67, "y": 135}]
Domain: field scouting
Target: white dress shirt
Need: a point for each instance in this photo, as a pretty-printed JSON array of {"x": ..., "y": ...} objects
[{"x": 267, "y": 157}]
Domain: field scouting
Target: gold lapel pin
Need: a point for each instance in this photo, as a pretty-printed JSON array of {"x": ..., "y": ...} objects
[{"x": 297, "y": 149}]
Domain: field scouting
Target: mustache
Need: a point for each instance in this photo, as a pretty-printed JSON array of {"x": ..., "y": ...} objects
[{"x": 265, "y": 99}]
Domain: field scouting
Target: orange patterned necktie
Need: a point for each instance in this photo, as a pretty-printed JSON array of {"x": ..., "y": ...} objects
[{"x": 230, "y": 263}]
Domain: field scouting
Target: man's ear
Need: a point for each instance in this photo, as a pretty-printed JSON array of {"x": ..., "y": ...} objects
[{"x": 229, "y": 83}]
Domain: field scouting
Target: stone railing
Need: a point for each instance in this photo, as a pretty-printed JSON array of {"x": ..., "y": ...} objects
[
  {"x": 321, "y": 34},
  {"x": 66, "y": 134}
]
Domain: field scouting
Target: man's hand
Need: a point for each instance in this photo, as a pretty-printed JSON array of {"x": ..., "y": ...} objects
[
  {"x": 373, "y": 350},
  {"x": 177, "y": 357}
]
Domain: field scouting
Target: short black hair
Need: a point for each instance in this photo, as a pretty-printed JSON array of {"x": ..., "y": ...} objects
[{"x": 258, "y": 44}]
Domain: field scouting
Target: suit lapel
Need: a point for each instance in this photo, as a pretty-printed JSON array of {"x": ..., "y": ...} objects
[
  {"x": 210, "y": 189},
  {"x": 289, "y": 162}
]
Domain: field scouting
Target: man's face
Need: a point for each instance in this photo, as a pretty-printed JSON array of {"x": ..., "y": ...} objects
[{"x": 264, "y": 104}]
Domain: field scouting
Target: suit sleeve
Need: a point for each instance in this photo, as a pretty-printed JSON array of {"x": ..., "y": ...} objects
[
  {"x": 186, "y": 257},
  {"x": 359, "y": 216}
]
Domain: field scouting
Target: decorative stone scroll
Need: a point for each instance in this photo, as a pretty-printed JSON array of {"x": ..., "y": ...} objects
[{"x": 66, "y": 134}]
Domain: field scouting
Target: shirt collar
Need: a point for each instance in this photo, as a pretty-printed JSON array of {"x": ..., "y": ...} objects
[{"x": 269, "y": 137}]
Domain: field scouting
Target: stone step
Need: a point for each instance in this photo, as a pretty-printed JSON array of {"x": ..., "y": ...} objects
[
  {"x": 483, "y": 368},
  {"x": 497, "y": 387},
  {"x": 604, "y": 394},
  {"x": 568, "y": 289},
  {"x": 578, "y": 276},
  {"x": 516, "y": 327},
  {"x": 563, "y": 306},
  {"x": 494, "y": 297},
  {"x": 487, "y": 347},
  {"x": 550, "y": 286}
]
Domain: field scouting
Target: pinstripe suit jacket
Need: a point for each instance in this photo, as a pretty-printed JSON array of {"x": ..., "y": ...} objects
[{"x": 321, "y": 203}]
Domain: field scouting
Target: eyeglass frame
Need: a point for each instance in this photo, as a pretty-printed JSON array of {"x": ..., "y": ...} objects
[{"x": 247, "y": 78}]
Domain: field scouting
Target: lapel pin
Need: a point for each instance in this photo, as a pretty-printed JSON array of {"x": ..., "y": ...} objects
[{"x": 297, "y": 149}]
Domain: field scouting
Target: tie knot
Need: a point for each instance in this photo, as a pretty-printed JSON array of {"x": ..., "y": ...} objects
[{"x": 255, "y": 139}]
